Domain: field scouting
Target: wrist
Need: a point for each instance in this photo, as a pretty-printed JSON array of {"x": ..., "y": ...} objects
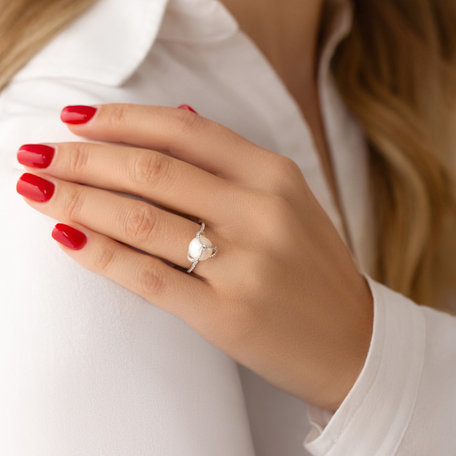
[
  {"x": 349, "y": 353},
  {"x": 358, "y": 346}
]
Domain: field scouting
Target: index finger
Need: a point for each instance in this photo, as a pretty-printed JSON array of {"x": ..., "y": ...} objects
[{"x": 182, "y": 133}]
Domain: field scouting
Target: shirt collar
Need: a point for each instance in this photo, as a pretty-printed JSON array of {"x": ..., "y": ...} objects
[
  {"x": 104, "y": 45},
  {"x": 197, "y": 22},
  {"x": 337, "y": 23},
  {"x": 110, "y": 40}
]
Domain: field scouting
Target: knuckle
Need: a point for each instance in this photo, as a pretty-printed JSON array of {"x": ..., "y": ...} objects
[
  {"x": 289, "y": 168},
  {"x": 188, "y": 121},
  {"x": 116, "y": 115},
  {"x": 73, "y": 202},
  {"x": 140, "y": 222},
  {"x": 78, "y": 158},
  {"x": 104, "y": 257},
  {"x": 148, "y": 168},
  {"x": 285, "y": 173},
  {"x": 151, "y": 281}
]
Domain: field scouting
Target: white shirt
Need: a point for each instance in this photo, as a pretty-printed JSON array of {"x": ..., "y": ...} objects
[{"x": 90, "y": 368}]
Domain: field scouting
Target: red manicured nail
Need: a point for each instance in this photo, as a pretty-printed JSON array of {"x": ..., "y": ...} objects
[
  {"x": 187, "y": 107},
  {"x": 77, "y": 114},
  {"x": 69, "y": 236},
  {"x": 35, "y": 188},
  {"x": 35, "y": 155}
]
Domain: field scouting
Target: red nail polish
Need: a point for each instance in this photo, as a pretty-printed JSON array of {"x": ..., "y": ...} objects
[
  {"x": 69, "y": 236},
  {"x": 187, "y": 107},
  {"x": 35, "y": 155},
  {"x": 77, "y": 114},
  {"x": 35, "y": 188}
]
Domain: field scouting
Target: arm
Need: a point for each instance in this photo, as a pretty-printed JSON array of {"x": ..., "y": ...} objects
[{"x": 404, "y": 400}]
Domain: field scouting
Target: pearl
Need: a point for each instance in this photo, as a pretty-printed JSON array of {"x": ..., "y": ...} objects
[{"x": 195, "y": 249}]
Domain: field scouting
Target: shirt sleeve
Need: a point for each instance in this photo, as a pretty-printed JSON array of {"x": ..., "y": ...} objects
[{"x": 403, "y": 402}]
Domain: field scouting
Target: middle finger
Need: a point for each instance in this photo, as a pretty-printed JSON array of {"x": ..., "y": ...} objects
[{"x": 152, "y": 175}]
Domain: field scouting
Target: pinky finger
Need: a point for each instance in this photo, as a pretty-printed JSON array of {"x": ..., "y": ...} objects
[{"x": 161, "y": 284}]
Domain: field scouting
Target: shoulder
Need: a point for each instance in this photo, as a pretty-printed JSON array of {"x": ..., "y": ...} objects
[{"x": 105, "y": 44}]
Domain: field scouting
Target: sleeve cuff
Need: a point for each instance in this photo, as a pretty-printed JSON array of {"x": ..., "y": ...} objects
[{"x": 376, "y": 412}]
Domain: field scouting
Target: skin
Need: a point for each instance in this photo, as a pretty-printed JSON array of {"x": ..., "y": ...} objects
[
  {"x": 282, "y": 296},
  {"x": 287, "y": 37}
]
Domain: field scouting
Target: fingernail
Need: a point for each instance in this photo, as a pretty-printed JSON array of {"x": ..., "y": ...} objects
[
  {"x": 35, "y": 155},
  {"x": 35, "y": 188},
  {"x": 69, "y": 236},
  {"x": 187, "y": 107},
  {"x": 77, "y": 114}
]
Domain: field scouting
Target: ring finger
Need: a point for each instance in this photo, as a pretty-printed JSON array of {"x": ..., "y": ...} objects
[{"x": 136, "y": 223}]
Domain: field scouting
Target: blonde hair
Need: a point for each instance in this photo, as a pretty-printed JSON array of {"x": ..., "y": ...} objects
[
  {"x": 27, "y": 25},
  {"x": 396, "y": 72}
]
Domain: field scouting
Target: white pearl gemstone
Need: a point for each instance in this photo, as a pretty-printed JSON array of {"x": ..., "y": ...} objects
[{"x": 195, "y": 248}]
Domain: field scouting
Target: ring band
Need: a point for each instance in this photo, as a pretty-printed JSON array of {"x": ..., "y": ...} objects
[{"x": 200, "y": 248}]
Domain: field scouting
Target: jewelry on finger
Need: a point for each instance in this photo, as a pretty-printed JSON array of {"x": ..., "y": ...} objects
[{"x": 200, "y": 248}]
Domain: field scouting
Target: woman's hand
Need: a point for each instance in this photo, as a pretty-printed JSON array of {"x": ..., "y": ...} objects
[{"x": 282, "y": 295}]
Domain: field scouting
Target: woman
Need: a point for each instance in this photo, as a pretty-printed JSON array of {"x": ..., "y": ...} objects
[{"x": 273, "y": 314}]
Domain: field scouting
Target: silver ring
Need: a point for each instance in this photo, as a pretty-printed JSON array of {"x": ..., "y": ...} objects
[{"x": 200, "y": 248}]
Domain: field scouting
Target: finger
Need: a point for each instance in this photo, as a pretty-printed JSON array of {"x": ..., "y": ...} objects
[
  {"x": 135, "y": 223},
  {"x": 150, "y": 174},
  {"x": 176, "y": 292},
  {"x": 181, "y": 133}
]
